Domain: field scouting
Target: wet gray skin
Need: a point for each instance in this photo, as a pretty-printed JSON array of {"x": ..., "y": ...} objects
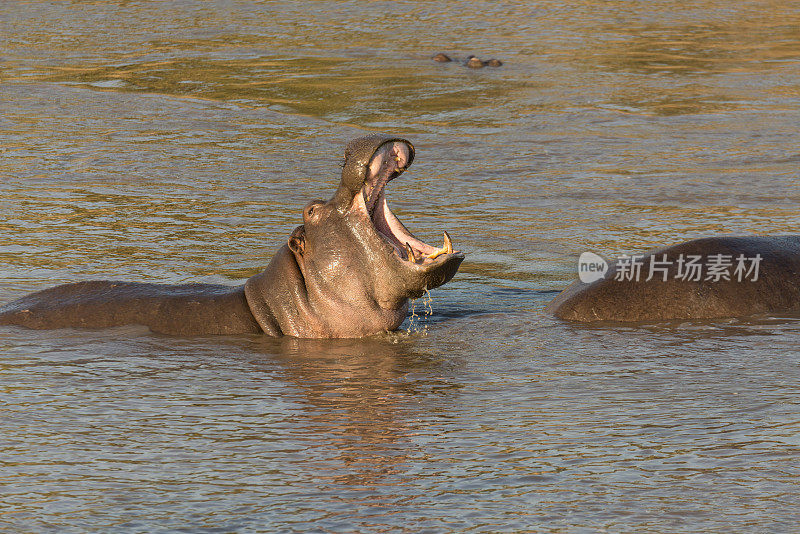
[
  {"x": 472, "y": 62},
  {"x": 348, "y": 271},
  {"x": 772, "y": 287}
]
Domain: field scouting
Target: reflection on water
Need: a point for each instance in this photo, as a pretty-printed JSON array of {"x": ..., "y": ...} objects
[
  {"x": 363, "y": 397},
  {"x": 180, "y": 142}
]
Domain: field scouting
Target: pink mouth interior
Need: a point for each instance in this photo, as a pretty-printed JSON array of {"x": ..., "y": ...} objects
[{"x": 388, "y": 162}]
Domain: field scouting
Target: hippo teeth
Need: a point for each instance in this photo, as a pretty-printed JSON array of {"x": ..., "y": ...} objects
[
  {"x": 372, "y": 197},
  {"x": 447, "y": 248},
  {"x": 410, "y": 251}
]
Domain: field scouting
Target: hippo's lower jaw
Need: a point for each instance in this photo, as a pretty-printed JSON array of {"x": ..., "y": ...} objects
[
  {"x": 424, "y": 266},
  {"x": 348, "y": 271}
]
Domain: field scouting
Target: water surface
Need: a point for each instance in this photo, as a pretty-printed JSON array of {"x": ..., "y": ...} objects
[{"x": 174, "y": 142}]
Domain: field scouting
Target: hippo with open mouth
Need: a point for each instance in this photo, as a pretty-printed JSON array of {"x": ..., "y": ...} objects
[{"x": 348, "y": 271}]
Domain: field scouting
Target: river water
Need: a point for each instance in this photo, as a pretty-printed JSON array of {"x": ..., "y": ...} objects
[{"x": 178, "y": 141}]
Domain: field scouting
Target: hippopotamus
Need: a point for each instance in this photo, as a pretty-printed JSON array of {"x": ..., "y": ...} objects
[
  {"x": 472, "y": 62},
  {"x": 348, "y": 271},
  {"x": 707, "y": 278}
]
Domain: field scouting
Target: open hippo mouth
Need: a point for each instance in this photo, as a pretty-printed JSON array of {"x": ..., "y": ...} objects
[{"x": 386, "y": 164}]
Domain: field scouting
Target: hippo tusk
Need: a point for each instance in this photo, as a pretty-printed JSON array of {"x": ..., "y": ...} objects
[
  {"x": 400, "y": 168},
  {"x": 447, "y": 248},
  {"x": 410, "y": 251}
]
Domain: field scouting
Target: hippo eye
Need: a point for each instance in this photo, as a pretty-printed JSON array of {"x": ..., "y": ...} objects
[{"x": 309, "y": 209}]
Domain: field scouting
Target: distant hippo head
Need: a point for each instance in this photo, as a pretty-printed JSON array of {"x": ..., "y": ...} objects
[{"x": 354, "y": 247}]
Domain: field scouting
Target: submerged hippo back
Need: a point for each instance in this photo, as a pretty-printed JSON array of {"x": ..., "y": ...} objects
[
  {"x": 189, "y": 309},
  {"x": 768, "y": 281}
]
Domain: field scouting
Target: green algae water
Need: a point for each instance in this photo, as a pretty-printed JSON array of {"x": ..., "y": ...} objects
[{"x": 174, "y": 142}]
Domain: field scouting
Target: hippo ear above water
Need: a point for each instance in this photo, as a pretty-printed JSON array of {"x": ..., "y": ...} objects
[
  {"x": 297, "y": 241},
  {"x": 357, "y": 156}
]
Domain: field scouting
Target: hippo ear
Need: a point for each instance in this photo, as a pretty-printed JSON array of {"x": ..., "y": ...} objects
[{"x": 297, "y": 241}]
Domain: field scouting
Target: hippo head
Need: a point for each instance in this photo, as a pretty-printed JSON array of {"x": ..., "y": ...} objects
[{"x": 354, "y": 253}]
